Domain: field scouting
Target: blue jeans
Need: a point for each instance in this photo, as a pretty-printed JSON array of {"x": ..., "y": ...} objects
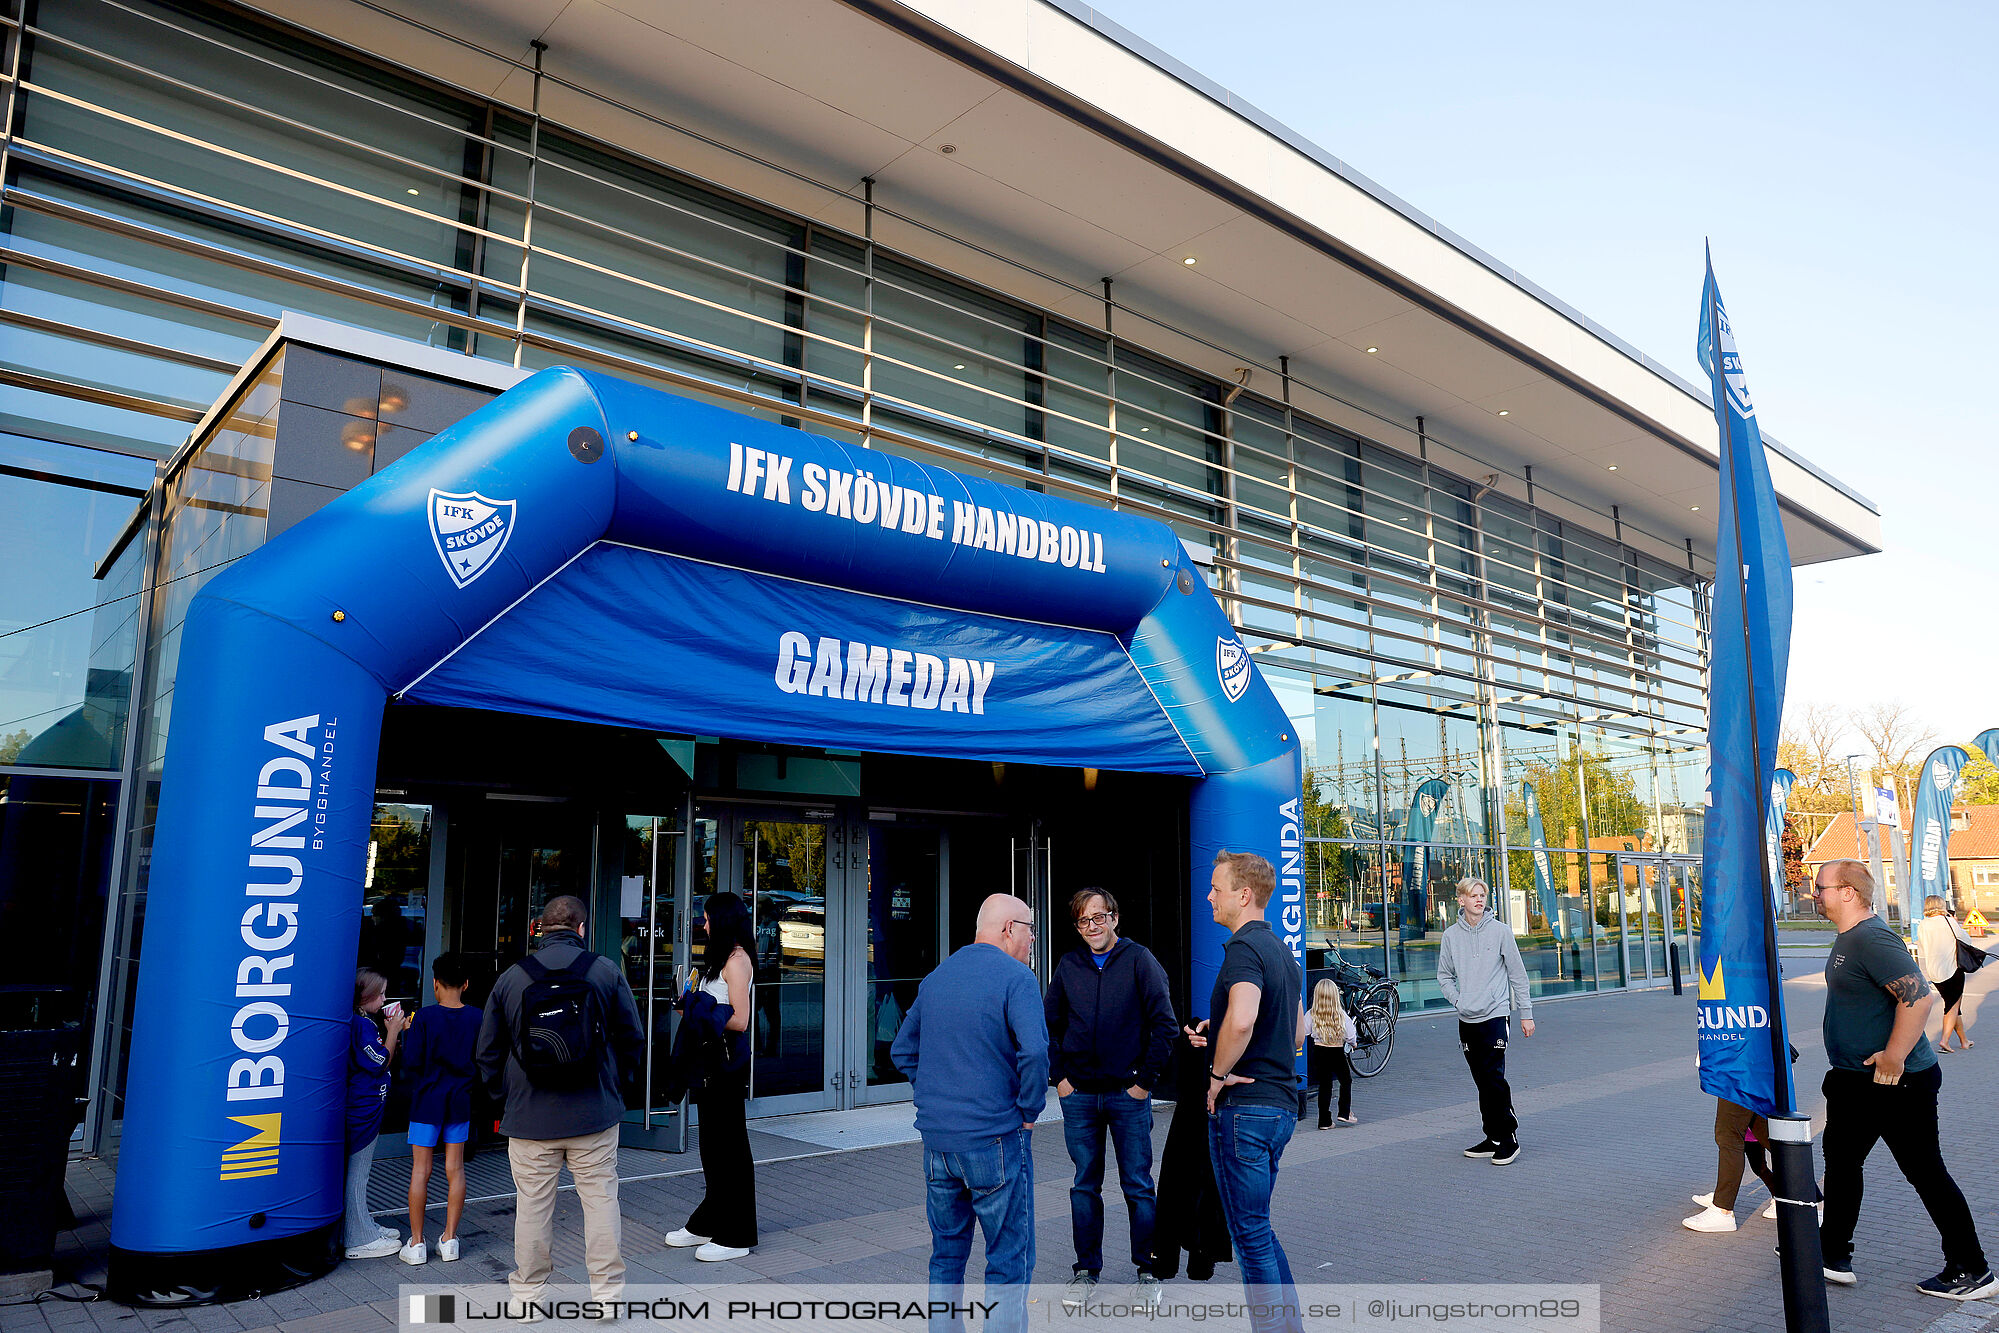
[
  {"x": 1085, "y": 1116},
  {"x": 994, "y": 1186},
  {"x": 1246, "y": 1143}
]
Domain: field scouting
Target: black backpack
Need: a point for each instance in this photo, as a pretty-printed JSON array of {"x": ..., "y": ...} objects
[{"x": 561, "y": 1028}]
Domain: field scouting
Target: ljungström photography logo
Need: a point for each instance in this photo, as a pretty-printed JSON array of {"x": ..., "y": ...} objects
[{"x": 757, "y": 1307}]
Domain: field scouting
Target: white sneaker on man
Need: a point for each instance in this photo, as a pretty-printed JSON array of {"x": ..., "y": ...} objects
[
  {"x": 1769, "y": 1210},
  {"x": 711, "y": 1253},
  {"x": 1704, "y": 1200},
  {"x": 381, "y": 1247},
  {"x": 684, "y": 1239},
  {"x": 391, "y": 1233},
  {"x": 414, "y": 1253},
  {"x": 1710, "y": 1218},
  {"x": 447, "y": 1250}
]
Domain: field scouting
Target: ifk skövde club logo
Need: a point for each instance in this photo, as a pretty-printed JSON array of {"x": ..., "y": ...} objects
[
  {"x": 1232, "y": 665},
  {"x": 469, "y": 531}
]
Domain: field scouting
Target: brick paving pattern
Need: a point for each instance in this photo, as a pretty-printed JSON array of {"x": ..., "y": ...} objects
[{"x": 1616, "y": 1135}]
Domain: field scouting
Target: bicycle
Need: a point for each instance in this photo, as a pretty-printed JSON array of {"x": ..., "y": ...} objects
[{"x": 1373, "y": 1004}]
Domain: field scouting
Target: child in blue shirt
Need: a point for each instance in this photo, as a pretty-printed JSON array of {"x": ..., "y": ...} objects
[
  {"x": 438, "y": 1056},
  {"x": 369, "y": 1051}
]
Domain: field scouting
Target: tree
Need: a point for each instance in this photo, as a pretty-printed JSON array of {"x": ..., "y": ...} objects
[
  {"x": 1898, "y": 738},
  {"x": 13, "y": 743},
  {"x": 1793, "y": 845},
  {"x": 1810, "y": 748},
  {"x": 1978, "y": 784},
  {"x": 1615, "y": 808}
]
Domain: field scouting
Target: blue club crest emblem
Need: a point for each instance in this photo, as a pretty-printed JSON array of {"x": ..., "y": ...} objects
[
  {"x": 1232, "y": 665},
  {"x": 469, "y": 532}
]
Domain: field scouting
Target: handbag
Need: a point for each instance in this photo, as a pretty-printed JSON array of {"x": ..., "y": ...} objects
[{"x": 1970, "y": 957}]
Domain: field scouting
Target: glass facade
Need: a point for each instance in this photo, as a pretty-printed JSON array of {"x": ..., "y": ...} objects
[{"x": 178, "y": 174}]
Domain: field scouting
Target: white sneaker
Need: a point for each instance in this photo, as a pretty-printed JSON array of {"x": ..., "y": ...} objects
[
  {"x": 414, "y": 1253},
  {"x": 684, "y": 1239},
  {"x": 379, "y": 1248},
  {"x": 447, "y": 1250},
  {"x": 1705, "y": 1200},
  {"x": 1769, "y": 1210},
  {"x": 711, "y": 1253},
  {"x": 391, "y": 1233},
  {"x": 1710, "y": 1219}
]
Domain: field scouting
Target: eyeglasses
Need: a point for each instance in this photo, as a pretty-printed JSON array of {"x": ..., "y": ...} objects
[
  {"x": 1100, "y": 919},
  {"x": 1028, "y": 924}
]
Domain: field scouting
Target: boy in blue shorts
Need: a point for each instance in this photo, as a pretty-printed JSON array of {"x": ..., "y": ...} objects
[{"x": 438, "y": 1054}]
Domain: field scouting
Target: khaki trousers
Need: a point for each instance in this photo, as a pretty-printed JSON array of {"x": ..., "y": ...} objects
[{"x": 593, "y": 1162}]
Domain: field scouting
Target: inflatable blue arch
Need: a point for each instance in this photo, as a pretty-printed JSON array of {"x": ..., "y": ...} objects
[{"x": 588, "y": 549}]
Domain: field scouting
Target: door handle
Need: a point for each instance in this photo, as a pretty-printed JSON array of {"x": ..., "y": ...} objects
[{"x": 839, "y": 1080}]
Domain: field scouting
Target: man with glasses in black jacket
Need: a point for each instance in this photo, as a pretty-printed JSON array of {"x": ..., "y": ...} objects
[{"x": 1110, "y": 1040}]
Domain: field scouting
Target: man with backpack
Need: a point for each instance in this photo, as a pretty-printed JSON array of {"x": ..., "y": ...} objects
[{"x": 559, "y": 1027}]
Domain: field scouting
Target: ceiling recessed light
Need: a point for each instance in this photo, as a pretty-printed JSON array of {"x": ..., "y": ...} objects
[
  {"x": 947, "y": 148},
  {"x": 1189, "y": 261},
  {"x": 1696, "y": 509},
  {"x": 412, "y": 189},
  {"x": 959, "y": 366},
  {"x": 1372, "y": 350},
  {"x": 1145, "y": 430},
  {"x": 1613, "y": 467},
  {"x": 1505, "y": 412}
]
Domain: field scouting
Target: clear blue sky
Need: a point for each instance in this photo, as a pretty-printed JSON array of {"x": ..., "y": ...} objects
[{"x": 1841, "y": 157}]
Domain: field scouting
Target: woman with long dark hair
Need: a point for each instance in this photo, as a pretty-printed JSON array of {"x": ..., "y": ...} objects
[{"x": 724, "y": 1226}]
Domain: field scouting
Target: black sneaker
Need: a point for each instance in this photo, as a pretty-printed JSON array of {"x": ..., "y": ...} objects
[
  {"x": 1483, "y": 1148},
  {"x": 1504, "y": 1154},
  {"x": 1957, "y": 1284},
  {"x": 1840, "y": 1275}
]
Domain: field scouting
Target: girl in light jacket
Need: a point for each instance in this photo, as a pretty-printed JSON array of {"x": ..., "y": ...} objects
[{"x": 1936, "y": 950}]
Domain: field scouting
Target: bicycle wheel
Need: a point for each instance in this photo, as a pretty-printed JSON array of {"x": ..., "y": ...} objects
[
  {"x": 1374, "y": 1039},
  {"x": 1388, "y": 995}
]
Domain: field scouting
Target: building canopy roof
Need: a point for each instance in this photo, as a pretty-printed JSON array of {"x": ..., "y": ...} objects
[{"x": 1035, "y": 147}]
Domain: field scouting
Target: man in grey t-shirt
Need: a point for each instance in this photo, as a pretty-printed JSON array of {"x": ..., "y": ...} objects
[{"x": 1883, "y": 1085}]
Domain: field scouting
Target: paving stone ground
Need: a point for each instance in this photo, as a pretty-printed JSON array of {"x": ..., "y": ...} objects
[{"x": 1616, "y": 1136}]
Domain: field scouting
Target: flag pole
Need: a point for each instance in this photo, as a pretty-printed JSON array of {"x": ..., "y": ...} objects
[{"x": 1800, "y": 1259}]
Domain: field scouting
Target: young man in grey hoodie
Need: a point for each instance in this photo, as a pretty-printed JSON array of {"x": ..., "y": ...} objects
[{"x": 1479, "y": 972}]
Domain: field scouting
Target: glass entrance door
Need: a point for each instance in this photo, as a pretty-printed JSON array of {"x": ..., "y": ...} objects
[
  {"x": 1661, "y": 906},
  {"x": 651, "y": 948},
  {"x": 791, "y": 868},
  {"x": 508, "y": 857},
  {"x": 901, "y": 903},
  {"x": 1686, "y": 907}
]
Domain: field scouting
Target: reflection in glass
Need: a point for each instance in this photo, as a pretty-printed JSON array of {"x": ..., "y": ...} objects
[
  {"x": 395, "y": 900},
  {"x": 785, "y": 866},
  {"x": 904, "y": 890},
  {"x": 647, "y": 931}
]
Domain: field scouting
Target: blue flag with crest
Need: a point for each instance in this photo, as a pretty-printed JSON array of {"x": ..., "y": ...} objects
[
  {"x": 1537, "y": 846},
  {"x": 1773, "y": 832},
  {"x": 1929, "y": 830},
  {"x": 1741, "y": 1012}
]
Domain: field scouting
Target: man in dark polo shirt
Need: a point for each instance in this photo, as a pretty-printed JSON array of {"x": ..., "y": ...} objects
[
  {"x": 1883, "y": 1085},
  {"x": 1258, "y": 1023}
]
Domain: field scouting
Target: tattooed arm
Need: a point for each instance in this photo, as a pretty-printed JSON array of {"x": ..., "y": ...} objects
[{"x": 1913, "y": 998}]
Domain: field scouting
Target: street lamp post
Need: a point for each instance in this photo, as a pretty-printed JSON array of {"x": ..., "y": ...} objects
[{"x": 1854, "y": 791}]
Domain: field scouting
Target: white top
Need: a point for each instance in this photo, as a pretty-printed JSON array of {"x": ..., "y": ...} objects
[{"x": 1936, "y": 946}]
